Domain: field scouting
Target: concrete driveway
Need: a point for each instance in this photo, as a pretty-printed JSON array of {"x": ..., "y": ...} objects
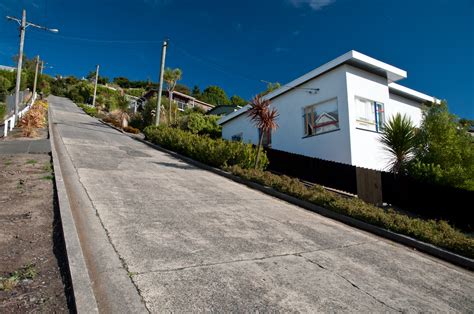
[{"x": 189, "y": 240}]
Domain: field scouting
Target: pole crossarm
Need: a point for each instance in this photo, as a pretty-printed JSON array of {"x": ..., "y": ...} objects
[{"x": 54, "y": 30}]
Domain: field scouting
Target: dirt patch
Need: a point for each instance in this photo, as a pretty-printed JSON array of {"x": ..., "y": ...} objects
[{"x": 33, "y": 266}]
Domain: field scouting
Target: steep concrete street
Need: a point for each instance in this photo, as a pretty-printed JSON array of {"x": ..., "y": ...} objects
[{"x": 161, "y": 235}]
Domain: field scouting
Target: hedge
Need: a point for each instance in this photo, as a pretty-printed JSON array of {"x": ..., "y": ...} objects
[
  {"x": 438, "y": 233},
  {"x": 214, "y": 152},
  {"x": 92, "y": 111}
]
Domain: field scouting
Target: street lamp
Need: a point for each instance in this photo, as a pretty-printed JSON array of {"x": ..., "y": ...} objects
[{"x": 23, "y": 25}]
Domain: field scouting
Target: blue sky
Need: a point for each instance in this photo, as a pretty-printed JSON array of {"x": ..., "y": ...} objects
[{"x": 236, "y": 44}]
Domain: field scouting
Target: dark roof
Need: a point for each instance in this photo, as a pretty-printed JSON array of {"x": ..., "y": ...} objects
[{"x": 223, "y": 110}]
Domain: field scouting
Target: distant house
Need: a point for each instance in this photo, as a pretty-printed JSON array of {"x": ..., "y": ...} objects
[
  {"x": 335, "y": 112},
  {"x": 7, "y": 68},
  {"x": 181, "y": 100},
  {"x": 223, "y": 110}
]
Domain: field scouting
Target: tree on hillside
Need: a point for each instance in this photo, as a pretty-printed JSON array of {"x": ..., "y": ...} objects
[
  {"x": 101, "y": 79},
  {"x": 270, "y": 88},
  {"x": 215, "y": 95},
  {"x": 398, "y": 138},
  {"x": 122, "y": 82},
  {"x": 182, "y": 89},
  {"x": 444, "y": 149},
  {"x": 5, "y": 85},
  {"x": 263, "y": 118},
  {"x": 171, "y": 77},
  {"x": 27, "y": 63},
  {"x": 238, "y": 101},
  {"x": 196, "y": 93}
]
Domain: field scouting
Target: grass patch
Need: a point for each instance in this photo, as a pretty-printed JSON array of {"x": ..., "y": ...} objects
[
  {"x": 26, "y": 272},
  {"x": 47, "y": 167},
  {"x": 48, "y": 177},
  {"x": 31, "y": 162},
  {"x": 8, "y": 162},
  {"x": 438, "y": 233},
  {"x": 131, "y": 274}
]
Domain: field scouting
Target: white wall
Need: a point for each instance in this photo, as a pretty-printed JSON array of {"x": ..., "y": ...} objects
[
  {"x": 241, "y": 124},
  {"x": 349, "y": 144},
  {"x": 290, "y": 135},
  {"x": 406, "y": 106},
  {"x": 366, "y": 149}
]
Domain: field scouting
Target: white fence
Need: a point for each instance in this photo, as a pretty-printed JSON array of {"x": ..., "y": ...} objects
[{"x": 11, "y": 121}]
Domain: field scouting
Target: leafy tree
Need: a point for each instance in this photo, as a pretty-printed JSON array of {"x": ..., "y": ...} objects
[
  {"x": 196, "y": 93},
  {"x": 466, "y": 122},
  {"x": 5, "y": 85},
  {"x": 238, "y": 101},
  {"x": 215, "y": 95},
  {"x": 263, "y": 118},
  {"x": 122, "y": 82},
  {"x": 398, "y": 138},
  {"x": 270, "y": 88},
  {"x": 444, "y": 150},
  {"x": 198, "y": 123},
  {"x": 182, "y": 89},
  {"x": 101, "y": 79},
  {"x": 171, "y": 77},
  {"x": 27, "y": 63}
]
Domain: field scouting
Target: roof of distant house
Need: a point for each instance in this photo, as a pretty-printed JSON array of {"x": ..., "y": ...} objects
[
  {"x": 223, "y": 110},
  {"x": 355, "y": 59},
  {"x": 7, "y": 68}
]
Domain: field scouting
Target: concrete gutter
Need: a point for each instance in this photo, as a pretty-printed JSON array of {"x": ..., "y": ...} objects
[
  {"x": 390, "y": 235},
  {"x": 103, "y": 281},
  {"x": 84, "y": 298}
]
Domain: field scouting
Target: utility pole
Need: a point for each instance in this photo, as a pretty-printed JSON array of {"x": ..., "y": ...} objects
[
  {"x": 23, "y": 25},
  {"x": 36, "y": 75},
  {"x": 95, "y": 85},
  {"x": 20, "y": 61},
  {"x": 42, "y": 67},
  {"x": 160, "y": 87}
]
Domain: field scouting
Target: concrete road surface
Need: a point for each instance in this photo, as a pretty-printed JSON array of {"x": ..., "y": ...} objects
[{"x": 162, "y": 235}]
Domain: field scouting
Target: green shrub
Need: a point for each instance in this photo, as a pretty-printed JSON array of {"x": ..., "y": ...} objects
[
  {"x": 439, "y": 233},
  {"x": 214, "y": 152},
  {"x": 3, "y": 111},
  {"x": 92, "y": 111},
  {"x": 198, "y": 123}
]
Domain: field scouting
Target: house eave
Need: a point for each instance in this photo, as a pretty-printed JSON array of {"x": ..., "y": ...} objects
[
  {"x": 411, "y": 94},
  {"x": 353, "y": 58}
]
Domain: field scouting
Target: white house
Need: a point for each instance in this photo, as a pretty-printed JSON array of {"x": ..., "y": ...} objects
[{"x": 335, "y": 112}]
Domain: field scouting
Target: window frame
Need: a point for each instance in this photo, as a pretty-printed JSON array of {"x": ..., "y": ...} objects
[
  {"x": 377, "y": 113},
  {"x": 309, "y": 111}
]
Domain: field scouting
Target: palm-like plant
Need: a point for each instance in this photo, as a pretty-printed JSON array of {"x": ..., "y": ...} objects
[
  {"x": 171, "y": 77},
  {"x": 264, "y": 118},
  {"x": 398, "y": 138}
]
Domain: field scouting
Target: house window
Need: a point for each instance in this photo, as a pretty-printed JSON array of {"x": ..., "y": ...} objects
[
  {"x": 181, "y": 105},
  {"x": 267, "y": 137},
  {"x": 237, "y": 137},
  {"x": 321, "y": 118},
  {"x": 370, "y": 114}
]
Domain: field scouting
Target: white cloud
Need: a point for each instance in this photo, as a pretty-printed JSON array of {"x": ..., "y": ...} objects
[{"x": 313, "y": 4}]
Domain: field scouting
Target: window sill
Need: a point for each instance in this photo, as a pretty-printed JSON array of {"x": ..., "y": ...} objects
[
  {"x": 313, "y": 135},
  {"x": 371, "y": 131}
]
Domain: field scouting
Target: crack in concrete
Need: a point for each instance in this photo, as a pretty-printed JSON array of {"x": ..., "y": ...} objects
[
  {"x": 297, "y": 254},
  {"x": 350, "y": 282}
]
